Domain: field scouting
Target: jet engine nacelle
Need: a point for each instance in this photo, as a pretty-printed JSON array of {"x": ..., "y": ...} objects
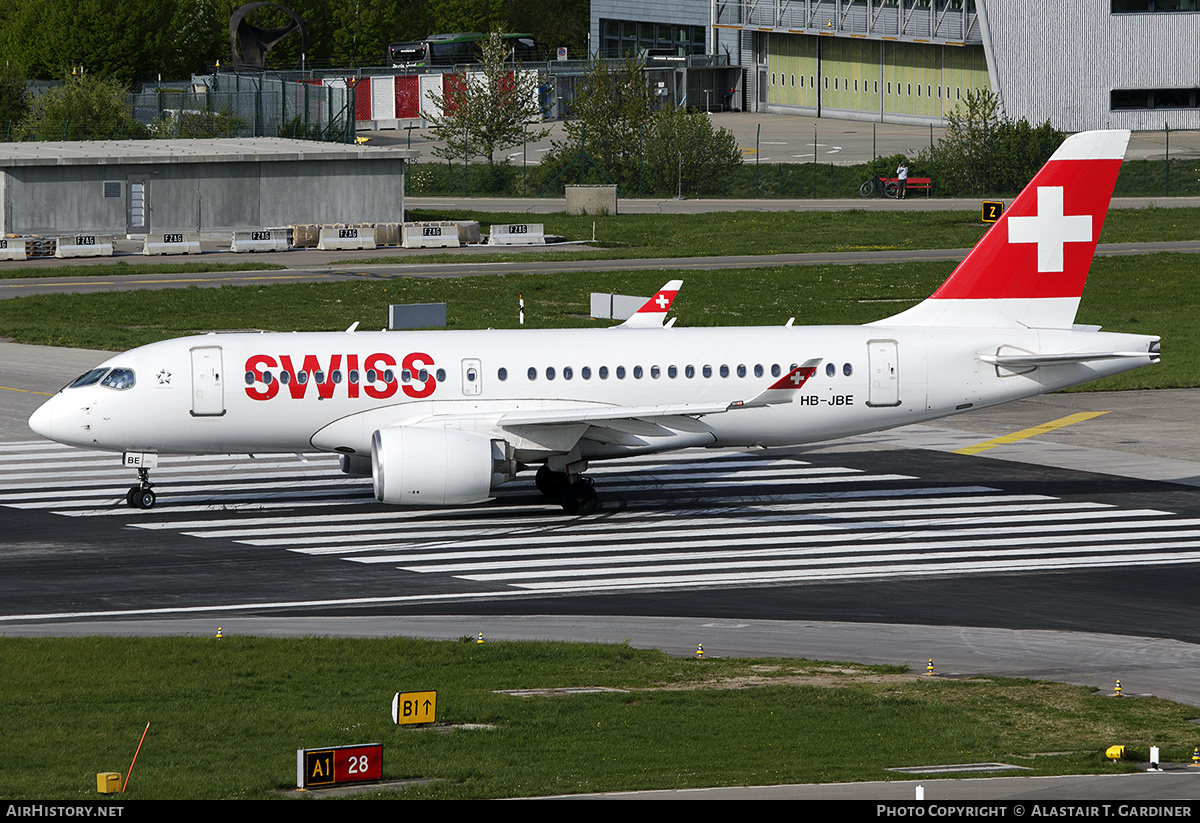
[{"x": 416, "y": 465}]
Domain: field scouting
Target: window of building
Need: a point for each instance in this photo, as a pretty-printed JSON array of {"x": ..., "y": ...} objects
[{"x": 1154, "y": 99}]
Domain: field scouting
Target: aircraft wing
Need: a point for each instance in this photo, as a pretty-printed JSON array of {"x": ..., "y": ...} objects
[{"x": 781, "y": 391}]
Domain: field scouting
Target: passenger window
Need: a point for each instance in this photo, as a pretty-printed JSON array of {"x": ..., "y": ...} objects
[
  {"x": 372, "y": 376},
  {"x": 319, "y": 377},
  {"x": 637, "y": 372},
  {"x": 568, "y": 373},
  {"x": 549, "y": 372},
  {"x": 741, "y": 370},
  {"x": 689, "y": 372},
  {"x": 707, "y": 371},
  {"x": 502, "y": 374},
  {"x": 353, "y": 375},
  {"x": 847, "y": 369},
  {"x": 266, "y": 378},
  {"x": 620, "y": 372},
  {"x": 775, "y": 370},
  {"x": 603, "y": 372},
  {"x": 672, "y": 372},
  {"x": 532, "y": 373},
  {"x": 758, "y": 370},
  {"x": 389, "y": 376},
  {"x": 301, "y": 377},
  {"x": 724, "y": 370},
  {"x": 249, "y": 379},
  {"x": 586, "y": 372},
  {"x": 655, "y": 372},
  {"x": 441, "y": 375}
]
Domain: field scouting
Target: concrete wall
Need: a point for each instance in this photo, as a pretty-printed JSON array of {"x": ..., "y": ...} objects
[{"x": 207, "y": 193}]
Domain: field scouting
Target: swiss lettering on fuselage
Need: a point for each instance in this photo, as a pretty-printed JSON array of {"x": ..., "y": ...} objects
[{"x": 375, "y": 376}]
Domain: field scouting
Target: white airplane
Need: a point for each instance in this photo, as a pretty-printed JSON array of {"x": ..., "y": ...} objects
[{"x": 443, "y": 417}]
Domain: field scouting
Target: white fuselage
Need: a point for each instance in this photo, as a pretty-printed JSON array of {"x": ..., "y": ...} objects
[{"x": 225, "y": 393}]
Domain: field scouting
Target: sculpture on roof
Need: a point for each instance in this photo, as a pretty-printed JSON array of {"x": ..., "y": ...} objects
[{"x": 249, "y": 44}]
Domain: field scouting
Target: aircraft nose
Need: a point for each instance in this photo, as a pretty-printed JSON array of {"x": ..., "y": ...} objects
[{"x": 42, "y": 420}]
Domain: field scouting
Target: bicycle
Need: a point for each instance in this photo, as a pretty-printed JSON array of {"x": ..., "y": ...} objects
[{"x": 876, "y": 184}]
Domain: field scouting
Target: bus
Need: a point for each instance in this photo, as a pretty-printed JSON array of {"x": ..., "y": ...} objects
[{"x": 445, "y": 50}]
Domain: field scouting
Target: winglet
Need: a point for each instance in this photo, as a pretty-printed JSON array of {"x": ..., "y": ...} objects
[
  {"x": 783, "y": 389},
  {"x": 653, "y": 314}
]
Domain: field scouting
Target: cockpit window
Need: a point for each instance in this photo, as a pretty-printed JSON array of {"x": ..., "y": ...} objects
[
  {"x": 119, "y": 379},
  {"x": 89, "y": 379}
]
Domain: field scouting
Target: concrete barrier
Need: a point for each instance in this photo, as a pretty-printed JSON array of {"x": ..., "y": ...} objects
[
  {"x": 172, "y": 242},
  {"x": 387, "y": 234},
  {"x": 518, "y": 234},
  {"x": 601, "y": 199},
  {"x": 347, "y": 237},
  {"x": 12, "y": 248},
  {"x": 305, "y": 237},
  {"x": 615, "y": 306},
  {"x": 468, "y": 232},
  {"x": 430, "y": 235},
  {"x": 259, "y": 240},
  {"x": 83, "y": 245}
]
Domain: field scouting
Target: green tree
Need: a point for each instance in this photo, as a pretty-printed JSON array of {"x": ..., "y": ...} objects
[
  {"x": 619, "y": 135},
  {"x": 82, "y": 108},
  {"x": 984, "y": 151},
  {"x": 14, "y": 103},
  {"x": 488, "y": 111}
]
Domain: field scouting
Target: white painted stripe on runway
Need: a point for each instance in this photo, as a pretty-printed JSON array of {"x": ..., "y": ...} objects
[
  {"x": 828, "y": 544},
  {"x": 970, "y": 567},
  {"x": 466, "y": 527},
  {"x": 478, "y": 515},
  {"x": 1015, "y": 560},
  {"x": 701, "y": 538}
]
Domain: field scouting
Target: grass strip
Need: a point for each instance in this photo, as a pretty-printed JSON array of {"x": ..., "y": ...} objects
[
  {"x": 716, "y": 234},
  {"x": 227, "y": 717},
  {"x": 122, "y": 268}
]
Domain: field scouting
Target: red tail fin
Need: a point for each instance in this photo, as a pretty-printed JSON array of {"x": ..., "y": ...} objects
[{"x": 1031, "y": 266}]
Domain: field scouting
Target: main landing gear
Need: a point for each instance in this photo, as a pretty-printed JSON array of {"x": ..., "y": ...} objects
[
  {"x": 141, "y": 496},
  {"x": 574, "y": 492}
]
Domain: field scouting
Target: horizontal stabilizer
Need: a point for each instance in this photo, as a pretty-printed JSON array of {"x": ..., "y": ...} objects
[{"x": 1062, "y": 359}]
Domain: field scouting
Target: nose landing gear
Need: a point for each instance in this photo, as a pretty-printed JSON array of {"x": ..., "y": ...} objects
[{"x": 142, "y": 495}]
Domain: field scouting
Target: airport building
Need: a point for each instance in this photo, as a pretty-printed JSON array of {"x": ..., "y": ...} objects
[
  {"x": 1080, "y": 64},
  {"x": 136, "y": 187}
]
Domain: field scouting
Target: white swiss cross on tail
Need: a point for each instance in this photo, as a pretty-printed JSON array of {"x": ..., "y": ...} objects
[
  {"x": 1050, "y": 229},
  {"x": 1029, "y": 270},
  {"x": 654, "y": 312}
]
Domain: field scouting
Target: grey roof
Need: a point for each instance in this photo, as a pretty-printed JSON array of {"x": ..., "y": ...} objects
[{"x": 247, "y": 149}]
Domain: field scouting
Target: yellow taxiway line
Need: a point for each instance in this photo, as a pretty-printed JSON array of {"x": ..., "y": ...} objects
[{"x": 1024, "y": 434}]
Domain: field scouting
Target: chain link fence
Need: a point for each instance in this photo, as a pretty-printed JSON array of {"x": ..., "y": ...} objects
[{"x": 777, "y": 163}]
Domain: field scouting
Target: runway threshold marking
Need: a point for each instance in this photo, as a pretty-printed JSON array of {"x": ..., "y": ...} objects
[{"x": 1025, "y": 434}]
